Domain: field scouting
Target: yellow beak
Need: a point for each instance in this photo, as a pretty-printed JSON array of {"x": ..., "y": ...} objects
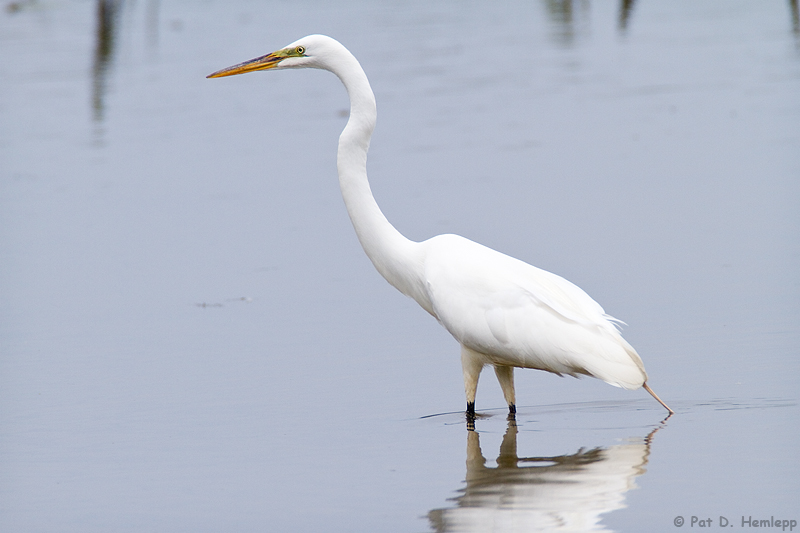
[{"x": 260, "y": 63}]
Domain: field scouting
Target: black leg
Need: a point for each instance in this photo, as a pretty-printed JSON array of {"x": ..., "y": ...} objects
[
  {"x": 470, "y": 416},
  {"x": 512, "y": 409},
  {"x": 471, "y": 409}
]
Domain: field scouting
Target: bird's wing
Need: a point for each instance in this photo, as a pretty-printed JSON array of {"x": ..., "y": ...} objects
[{"x": 519, "y": 315}]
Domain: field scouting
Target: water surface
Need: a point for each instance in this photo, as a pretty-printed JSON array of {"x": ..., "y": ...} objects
[{"x": 191, "y": 338}]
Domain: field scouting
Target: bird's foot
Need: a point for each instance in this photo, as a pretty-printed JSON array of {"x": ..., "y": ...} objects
[
  {"x": 512, "y": 413},
  {"x": 470, "y": 416}
]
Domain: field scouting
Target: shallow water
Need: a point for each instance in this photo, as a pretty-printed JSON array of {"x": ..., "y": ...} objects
[{"x": 191, "y": 338}]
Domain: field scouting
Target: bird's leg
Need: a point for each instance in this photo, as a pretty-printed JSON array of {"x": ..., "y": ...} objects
[
  {"x": 471, "y": 365},
  {"x": 654, "y": 395},
  {"x": 505, "y": 375},
  {"x": 470, "y": 422}
]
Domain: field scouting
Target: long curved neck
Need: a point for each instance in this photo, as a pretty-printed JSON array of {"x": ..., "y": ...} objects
[{"x": 397, "y": 258}]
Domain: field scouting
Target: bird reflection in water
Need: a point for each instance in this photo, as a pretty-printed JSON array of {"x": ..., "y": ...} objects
[{"x": 561, "y": 493}]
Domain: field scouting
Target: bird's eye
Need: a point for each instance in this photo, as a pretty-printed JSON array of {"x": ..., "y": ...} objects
[{"x": 300, "y": 50}]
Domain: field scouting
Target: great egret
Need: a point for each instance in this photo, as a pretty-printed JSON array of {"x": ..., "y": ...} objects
[{"x": 503, "y": 312}]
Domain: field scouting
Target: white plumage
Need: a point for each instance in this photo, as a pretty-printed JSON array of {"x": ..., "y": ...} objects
[
  {"x": 522, "y": 316},
  {"x": 502, "y": 311}
]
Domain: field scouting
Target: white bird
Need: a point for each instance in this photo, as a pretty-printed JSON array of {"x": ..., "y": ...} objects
[{"x": 503, "y": 312}]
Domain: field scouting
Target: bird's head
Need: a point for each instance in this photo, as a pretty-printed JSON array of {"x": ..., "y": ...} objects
[{"x": 308, "y": 52}]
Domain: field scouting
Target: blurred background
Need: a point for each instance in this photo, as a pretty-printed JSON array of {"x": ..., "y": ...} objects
[{"x": 192, "y": 339}]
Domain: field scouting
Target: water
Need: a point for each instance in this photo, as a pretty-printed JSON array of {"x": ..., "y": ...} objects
[{"x": 191, "y": 338}]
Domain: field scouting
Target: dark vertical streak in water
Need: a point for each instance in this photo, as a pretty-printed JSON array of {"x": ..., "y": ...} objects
[
  {"x": 795, "y": 13},
  {"x": 105, "y": 33},
  {"x": 625, "y": 10},
  {"x": 562, "y": 15},
  {"x": 568, "y": 18},
  {"x": 14, "y": 7},
  {"x": 153, "y": 7}
]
